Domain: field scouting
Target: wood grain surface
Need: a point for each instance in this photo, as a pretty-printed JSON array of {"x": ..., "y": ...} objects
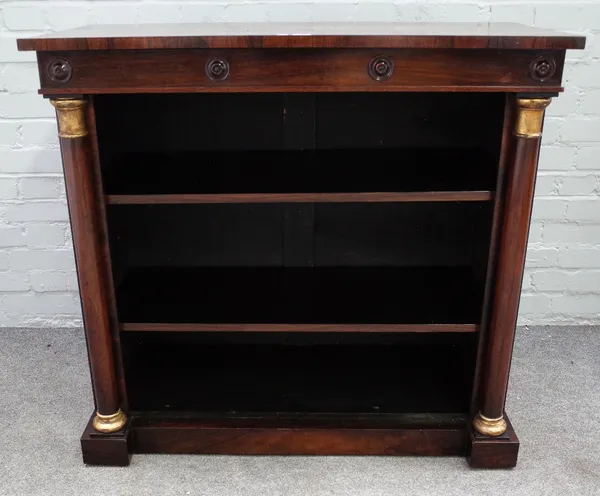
[
  {"x": 291, "y": 70},
  {"x": 304, "y": 35}
]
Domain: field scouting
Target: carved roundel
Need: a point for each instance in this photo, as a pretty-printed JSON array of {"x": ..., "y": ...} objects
[
  {"x": 381, "y": 68},
  {"x": 59, "y": 70},
  {"x": 542, "y": 68},
  {"x": 217, "y": 69}
]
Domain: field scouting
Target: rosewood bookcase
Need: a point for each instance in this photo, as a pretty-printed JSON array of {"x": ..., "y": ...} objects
[{"x": 300, "y": 239}]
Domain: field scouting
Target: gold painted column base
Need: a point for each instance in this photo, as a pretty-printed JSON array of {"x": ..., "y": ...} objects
[
  {"x": 110, "y": 423},
  {"x": 488, "y": 426}
]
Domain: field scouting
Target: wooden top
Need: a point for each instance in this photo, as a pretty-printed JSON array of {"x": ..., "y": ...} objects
[{"x": 304, "y": 35}]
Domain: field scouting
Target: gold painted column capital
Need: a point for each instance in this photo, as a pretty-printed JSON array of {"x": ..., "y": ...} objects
[
  {"x": 530, "y": 116},
  {"x": 71, "y": 117}
]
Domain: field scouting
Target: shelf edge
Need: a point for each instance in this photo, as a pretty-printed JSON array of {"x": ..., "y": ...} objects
[
  {"x": 433, "y": 196},
  {"x": 248, "y": 327}
]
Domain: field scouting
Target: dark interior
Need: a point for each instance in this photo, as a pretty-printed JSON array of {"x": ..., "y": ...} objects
[
  {"x": 254, "y": 373},
  {"x": 330, "y": 142},
  {"x": 312, "y": 263},
  {"x": 360, "y": 263}
]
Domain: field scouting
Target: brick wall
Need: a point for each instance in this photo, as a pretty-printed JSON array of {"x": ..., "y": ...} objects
[{"x": 37, "y": 280}]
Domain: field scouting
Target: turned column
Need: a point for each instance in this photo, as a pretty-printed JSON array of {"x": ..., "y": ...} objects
[
  {"x": 85, "y": 212},
  {"x": 520, "y": 183}
]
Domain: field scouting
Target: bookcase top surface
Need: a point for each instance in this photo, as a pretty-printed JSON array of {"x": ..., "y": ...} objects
[{"x": 304, "y": 35}]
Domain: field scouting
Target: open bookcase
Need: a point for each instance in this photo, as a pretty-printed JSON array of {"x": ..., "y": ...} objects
[{"x": 300, "y": 239}]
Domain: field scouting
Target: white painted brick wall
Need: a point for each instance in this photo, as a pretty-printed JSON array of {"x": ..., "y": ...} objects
[{"x": 37, "y": 280}]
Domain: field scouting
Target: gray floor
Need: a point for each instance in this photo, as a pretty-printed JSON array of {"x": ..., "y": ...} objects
[{"x": 554, "y": 404}]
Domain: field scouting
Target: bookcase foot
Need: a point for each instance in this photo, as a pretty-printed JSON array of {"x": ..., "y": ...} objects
[
  {"x": 494, "y": 452},
  {"x": 109, "y": 449}
]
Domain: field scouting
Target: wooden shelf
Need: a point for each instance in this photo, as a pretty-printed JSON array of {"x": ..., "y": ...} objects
[
  {"x": 392, "y": 175},
  {"x": 260, "y": 327},
  {"x": 426, "y": 196},
  {"x": 356, "y": 299},
  {"x": 277, "y": 434}
]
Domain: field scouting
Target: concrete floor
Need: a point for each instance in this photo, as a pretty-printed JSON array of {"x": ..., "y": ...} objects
[{"x": 554, "y": 404}]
